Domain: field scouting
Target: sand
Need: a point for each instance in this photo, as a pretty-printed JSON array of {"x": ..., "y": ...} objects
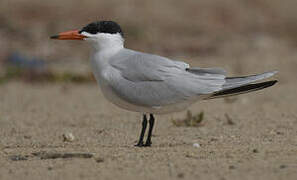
[
  {"x": 243, "y": 37},
  {"x": 261, "y": 144}
]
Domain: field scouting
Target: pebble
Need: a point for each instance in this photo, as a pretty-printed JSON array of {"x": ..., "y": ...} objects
[
  {"x": 18, "y": 158},
  {"x": 231, "y": 167},
  {"x": 99, "y": 160},
  {"x": 196, "y": 145},
  {"x": 255, "y": 151},
  {"x": 180, "y": 175},
  {"x": 68, "y": 137},
  {"x": 282, "y": 166}
]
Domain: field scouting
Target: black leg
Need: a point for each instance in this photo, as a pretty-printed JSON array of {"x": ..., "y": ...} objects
[
  {"x": 151, "y": 122},
  {"x": 144, "y": 124}
]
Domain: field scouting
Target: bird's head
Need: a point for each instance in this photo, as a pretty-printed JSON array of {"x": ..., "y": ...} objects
[{"x": 101, "y": 34}]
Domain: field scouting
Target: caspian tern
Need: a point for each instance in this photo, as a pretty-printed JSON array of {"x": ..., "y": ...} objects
[{"x": 151, "y": 84}]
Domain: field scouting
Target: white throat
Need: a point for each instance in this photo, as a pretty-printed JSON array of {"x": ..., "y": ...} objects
[
  {"x": 105, "y": 45},
  {"x": 103, "y": 42}
]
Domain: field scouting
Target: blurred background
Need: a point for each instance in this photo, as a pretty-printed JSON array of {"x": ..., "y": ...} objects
[
  {"x": 242, "y": 36},
  {"x": 47, "y": 91}
]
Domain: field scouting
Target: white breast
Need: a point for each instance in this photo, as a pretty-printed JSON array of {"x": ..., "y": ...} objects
[{"x": 105, "y": 74}]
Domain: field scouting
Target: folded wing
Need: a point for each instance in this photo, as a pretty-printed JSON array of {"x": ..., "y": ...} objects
[{"x": 152, "y": 80}]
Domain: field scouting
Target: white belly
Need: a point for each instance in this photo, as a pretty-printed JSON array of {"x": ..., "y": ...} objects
[
  {"x": 115, "y": 99},
  {"x": 111, "y": 95},
  {"x": 104, "y": 73}
]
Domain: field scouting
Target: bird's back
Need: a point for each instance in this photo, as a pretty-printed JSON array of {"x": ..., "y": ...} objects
[{"x": 154, "y": 81}]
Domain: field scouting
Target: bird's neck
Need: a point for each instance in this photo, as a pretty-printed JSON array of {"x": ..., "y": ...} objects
[
  {"x": 102, "y": 53},
  {"x": 104, "y": 49},
  {"x": 109, "y": 43}
]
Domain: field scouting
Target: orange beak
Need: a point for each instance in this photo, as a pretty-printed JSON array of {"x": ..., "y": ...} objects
[{"x": 69, "y": 35}]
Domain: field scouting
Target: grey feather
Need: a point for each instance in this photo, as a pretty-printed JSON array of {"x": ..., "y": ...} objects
[
  {"x": 136, "y": 66},
  {"x": 202, "y": 71},
  {"x": 158, "y": 81},
  {"x": 233, "y": 82}
]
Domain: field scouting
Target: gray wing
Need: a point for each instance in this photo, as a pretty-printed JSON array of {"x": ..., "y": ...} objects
[
  {"x": 151, "y": 80},
  {"x": 205, "y": 71},
  {"x": 233, "y": 82},
  {"x": 136, "y": 66}
]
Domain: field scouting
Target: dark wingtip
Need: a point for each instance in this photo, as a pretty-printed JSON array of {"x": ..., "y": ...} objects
[
  {"x": 54, "y": 37},
  {"x": 272, "y": 82},
  {"x": 243, "y": 89}
]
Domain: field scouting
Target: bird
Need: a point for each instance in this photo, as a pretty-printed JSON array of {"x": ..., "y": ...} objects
[{"x": 151, "y": 84}]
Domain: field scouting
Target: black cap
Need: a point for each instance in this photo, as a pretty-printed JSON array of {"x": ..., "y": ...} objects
[{"x": 102, "y": 27}]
